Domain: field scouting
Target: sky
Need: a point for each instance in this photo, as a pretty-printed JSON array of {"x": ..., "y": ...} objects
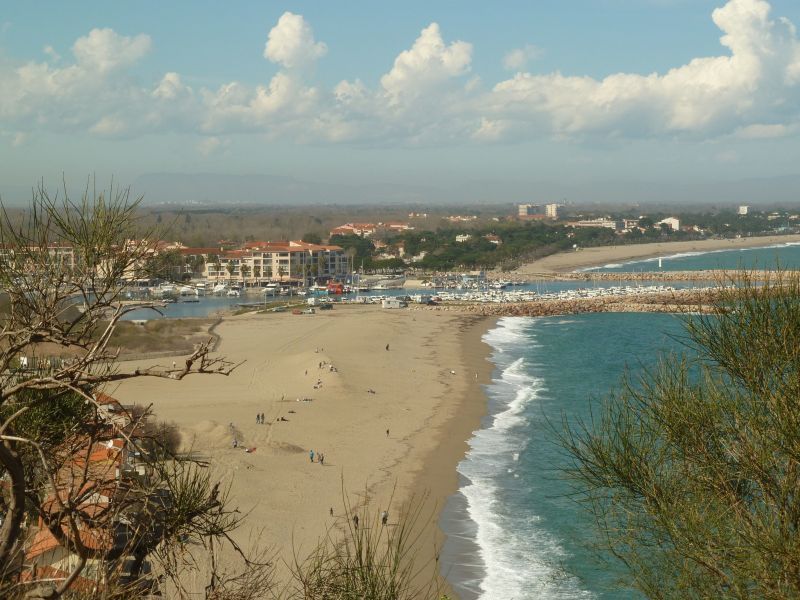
[{"x": 444, "y": 100}]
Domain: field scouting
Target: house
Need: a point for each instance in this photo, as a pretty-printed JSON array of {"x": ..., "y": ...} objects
[
  {"x": 493, "y": 239},
  {"x": 463, "y": 237},
  {"x": 360, "y": 229},
  {"x": 94, "y": 475}
]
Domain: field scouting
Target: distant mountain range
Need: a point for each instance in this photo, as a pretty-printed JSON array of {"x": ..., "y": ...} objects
[{"x": 187, "y": 189}]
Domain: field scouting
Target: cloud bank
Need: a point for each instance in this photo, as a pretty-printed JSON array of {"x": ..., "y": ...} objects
[{"x": 426, "y": 96}]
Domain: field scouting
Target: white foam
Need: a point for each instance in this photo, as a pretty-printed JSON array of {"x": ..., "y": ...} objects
[
  {"x": 519, "y": 561},
  {"x": 684, "y": 255}
]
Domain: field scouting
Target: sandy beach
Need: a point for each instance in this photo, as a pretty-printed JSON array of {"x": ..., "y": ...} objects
[
  {"x": 427, "y": 394},
  {"x": 595, "y": 257}
]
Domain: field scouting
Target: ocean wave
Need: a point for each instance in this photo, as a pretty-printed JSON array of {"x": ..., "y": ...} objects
[{"x": 518, "y": 557}]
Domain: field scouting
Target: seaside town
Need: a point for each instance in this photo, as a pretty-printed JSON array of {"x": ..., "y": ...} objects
[{"x": 400, "y": 301}]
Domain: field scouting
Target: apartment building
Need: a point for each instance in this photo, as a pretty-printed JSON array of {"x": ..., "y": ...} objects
[{"x": 260, "y": 262}]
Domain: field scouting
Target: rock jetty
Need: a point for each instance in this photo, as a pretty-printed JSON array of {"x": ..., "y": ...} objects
[{"x": 674, "y": 301}]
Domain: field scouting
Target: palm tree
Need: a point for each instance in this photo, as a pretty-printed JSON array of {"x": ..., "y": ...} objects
[
  {"x": 257, "y": 271},
  {"x": 244, "y": 271},
  {"x": 281, "y": 272},
  {"x": 229, "y": 267}
]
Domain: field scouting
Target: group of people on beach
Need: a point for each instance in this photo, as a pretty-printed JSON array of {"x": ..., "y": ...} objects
[
  {"x": 384, "y": 519},
  {"x": 319, "y": 455},
  {"x": 259, "y": 418}
]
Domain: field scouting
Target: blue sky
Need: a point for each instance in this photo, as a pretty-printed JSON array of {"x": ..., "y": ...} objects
[{"x": 427, "y": 94}]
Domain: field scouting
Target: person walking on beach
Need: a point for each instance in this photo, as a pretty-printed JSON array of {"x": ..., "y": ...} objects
[
  {"x": 311, "y": 455},
  {"x": 387, "y": 347},
  {"x": 331, "y": 511},
  {"x": 355, "y": 521},
  {"x": 384, "y": 518},
  {"x": 322, "y": 459},
  {"x": 387, "y": 433}
]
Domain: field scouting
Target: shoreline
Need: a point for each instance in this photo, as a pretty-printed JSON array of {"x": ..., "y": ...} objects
[
  {"x": 440, "y": 476},
  {"x": 425, "y": 392},
  {"x": 599, "y": 256}
]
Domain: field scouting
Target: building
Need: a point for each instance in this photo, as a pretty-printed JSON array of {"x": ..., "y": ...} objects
[
  {"x": 462, "y": 218},
  {"x": 603, "y": 222},
  {"x": 370, "y": 229},
  {"x": 395, "y": 226},
  {"x": 671, "y": 222},
  {"x": 552, "y": 211},
  {"x": 360, "y": 229},
  {"x": 493, "y": 239},
  {"x": 294, "y": 262},
  {"x": 743, "y": 210},
  {"x": 463, "y": 237},
  {"x": 530, "y": 212},
  {"x": 96, "y": 475}
]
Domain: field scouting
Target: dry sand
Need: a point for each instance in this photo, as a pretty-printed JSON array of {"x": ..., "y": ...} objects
[
  {"x": 595, "y": 257},
  {"x": 429, "y": 411}
]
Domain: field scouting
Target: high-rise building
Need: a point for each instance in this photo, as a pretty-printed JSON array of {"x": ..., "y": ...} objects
[
  {"x": 743, "y": 210},
  {"x": 551, "y": 211},
  {"x": 528, "y": 210}
]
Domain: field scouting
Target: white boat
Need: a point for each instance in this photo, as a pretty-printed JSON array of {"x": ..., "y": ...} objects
[
  {"x": 219, "y": 288},
  {"x": 233, "y": 293}
]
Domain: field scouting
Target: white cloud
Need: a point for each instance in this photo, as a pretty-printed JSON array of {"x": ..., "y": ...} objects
[
  {"x": 750, "y": 90},
  {"x": 171, "y": 87},
  {"x": 105, "y": 50},
  {"x": 519, "y": 58},
  {"x": 707, "y": 96},
  {"x": 291, "y": 43},
  {"x": 426, "y": 65},
  {"x": 109, "y": 126}
]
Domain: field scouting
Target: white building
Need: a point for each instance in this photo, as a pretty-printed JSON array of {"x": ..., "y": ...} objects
[
  {"x": 605, "y": 223},
  {"x": 743, "y": 210},
  {"x": 672, "y": 222},
  {"x": 463, "y": 237},
  {"x": 551, "y": 211},
  {"x": 260, "y": 262}
]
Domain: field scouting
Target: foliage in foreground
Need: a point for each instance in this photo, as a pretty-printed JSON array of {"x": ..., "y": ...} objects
[
  {"x": 366, "y": 559},
  {"x": 693, "y": 472}
]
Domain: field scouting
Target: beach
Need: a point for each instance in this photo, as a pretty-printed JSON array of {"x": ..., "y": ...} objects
[
  {"x": 391, "y": 423},
  {"x": 603, "y": 255}
]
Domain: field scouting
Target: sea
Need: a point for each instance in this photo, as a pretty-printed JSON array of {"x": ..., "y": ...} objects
[{"x": 515, "y": 529}]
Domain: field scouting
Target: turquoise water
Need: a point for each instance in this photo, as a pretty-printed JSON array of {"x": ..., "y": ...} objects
[
  {"x": 513, "y": 523},
  {"x": 514, "y": 531},
  {"x": 787, "y": 255}
]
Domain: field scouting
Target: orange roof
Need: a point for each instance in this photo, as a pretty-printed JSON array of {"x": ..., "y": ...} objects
[{"x": 44, "y": 541}]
